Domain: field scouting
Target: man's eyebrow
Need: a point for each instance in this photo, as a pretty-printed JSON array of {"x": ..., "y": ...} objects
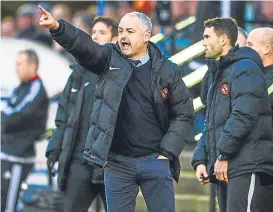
[{"x": 126, "y": 28}]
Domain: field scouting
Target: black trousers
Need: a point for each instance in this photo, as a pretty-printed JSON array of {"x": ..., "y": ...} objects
[
  {"x": 80, "y": 192},
  {"x": 12, "y": 175},
  {"x": 267, "y": 200},
  {"x": 243, "y": 194}
]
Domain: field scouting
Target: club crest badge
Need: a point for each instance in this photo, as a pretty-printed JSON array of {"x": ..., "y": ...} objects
[
  {"x": 225, "y": 89},
  {"x": 164, "y": 93}
]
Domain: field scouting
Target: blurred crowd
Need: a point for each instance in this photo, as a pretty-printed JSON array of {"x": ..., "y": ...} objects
[
  {"x": 164, "y": 14},
  {"x": 25, "y": 23}
]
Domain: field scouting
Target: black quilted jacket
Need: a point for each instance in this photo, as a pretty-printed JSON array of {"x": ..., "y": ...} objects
[
  {"x": 238, "y": 117},
  {"x": 175, "y": 112}
]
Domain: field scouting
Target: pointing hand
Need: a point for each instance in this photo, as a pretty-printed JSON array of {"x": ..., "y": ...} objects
[{"x": 47, "y": 21}]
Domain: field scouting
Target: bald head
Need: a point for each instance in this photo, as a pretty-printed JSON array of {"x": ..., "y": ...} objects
[
  {"x": 261, "y": 40},
  {"x": 263, "y": 35}
]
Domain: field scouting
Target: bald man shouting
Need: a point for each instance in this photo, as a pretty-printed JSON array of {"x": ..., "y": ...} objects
[{"x": 261, "y": 40}]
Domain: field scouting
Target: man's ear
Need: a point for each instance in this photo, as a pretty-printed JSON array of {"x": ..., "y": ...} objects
[
  {"x": 223, "y": 39},
  {"x": 266, "y": 49},
  {"x": 114, "y": 39},
  {"x": 147, "y": 36}
]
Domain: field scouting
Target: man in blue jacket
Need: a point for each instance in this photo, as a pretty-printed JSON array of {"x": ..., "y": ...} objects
[
  {"x": 236, "y": 148},
  {"x": 142, "y": 115}
]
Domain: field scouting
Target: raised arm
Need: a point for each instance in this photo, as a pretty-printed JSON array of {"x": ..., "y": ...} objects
[{"x": 89, "y": 54}]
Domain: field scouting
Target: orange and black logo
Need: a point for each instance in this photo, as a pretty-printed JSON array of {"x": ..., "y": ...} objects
[
  {"x": 225, "y": 89},
  {"x": 164, "y": 93}
]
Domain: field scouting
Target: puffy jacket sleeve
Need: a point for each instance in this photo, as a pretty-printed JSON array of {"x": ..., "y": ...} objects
[
  {"x": 271, "y": 101},
  {"x": 248, "y": 90},
  {"x": 181, "y": 114},
  {"x": 269, "y": 78},
  {"x": 89, "y": 54},
  {"x": 205, "y": 84},
  {"x": 200, "y": 152},
  {"x": 55, "y": 142}
]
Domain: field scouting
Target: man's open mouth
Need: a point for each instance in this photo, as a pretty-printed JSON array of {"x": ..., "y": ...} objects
[{"x": 125, "y": 45}]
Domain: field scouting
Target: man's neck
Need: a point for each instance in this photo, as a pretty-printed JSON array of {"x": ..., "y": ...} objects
[
  {"x": 268, "y": 61},
  {"x": 32, "y": 77},
  {"x": 224, "y": 52},
  {"x": 139, "y": 55}
]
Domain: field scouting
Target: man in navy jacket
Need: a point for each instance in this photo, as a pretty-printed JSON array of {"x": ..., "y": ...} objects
[
  {"x": 23, "y": 121},
  {"x": 236, "y": 147}
]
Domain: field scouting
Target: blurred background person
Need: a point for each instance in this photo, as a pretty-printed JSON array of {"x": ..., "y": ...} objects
[
  {"x": 36, "y": 16},
  {"x": 27, "y": 27},
  {"x": 83, "y": 21},
  {"x": 62, "y": 11},
  {"x": 266, "y": 11},
  {"x": 8, "y": 28},
  {"x": 24, "y": 23},
  {"x": 183, "y": 9},
  {"x": 242, "y": 36},
  {"x": 44, "y": 39},
  {"x": 23, "y": 121},
  {"x": 80, "y": 182}
]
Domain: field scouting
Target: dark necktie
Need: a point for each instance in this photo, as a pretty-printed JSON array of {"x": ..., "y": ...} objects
[{"x": 135, "y": 62}]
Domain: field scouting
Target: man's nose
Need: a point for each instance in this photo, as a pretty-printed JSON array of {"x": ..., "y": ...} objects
[
  {"x": 124, "y": 38},
  {"x": 94, "y": 36}
]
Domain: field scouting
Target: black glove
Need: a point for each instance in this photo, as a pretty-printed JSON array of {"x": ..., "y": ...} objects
[{"x": 51, "y": 160}]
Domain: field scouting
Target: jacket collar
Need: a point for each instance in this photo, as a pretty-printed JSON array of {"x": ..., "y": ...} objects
[
  {"x": 223, "y": 62},
  {"x": 269, "y": 68},
  {"x": 156, "y": 56},
  {"x": 144, "y": 59}
]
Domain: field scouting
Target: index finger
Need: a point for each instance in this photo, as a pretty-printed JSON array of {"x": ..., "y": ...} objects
[
  {"x": 226, "y": 176},
  {"x": 204, "y": 182},
  {"x": 43, "y": 10}
]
